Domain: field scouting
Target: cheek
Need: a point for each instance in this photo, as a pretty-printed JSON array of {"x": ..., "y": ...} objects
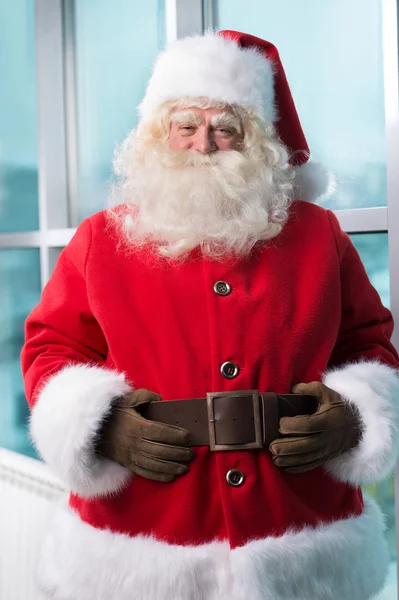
[
  {"x": 229, "y": 143},
  {"x": 178, "y": 142}
]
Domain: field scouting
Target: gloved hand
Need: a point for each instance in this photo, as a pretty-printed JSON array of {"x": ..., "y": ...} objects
[
  {"x": 153, "y": 450},
  {"x": 310, "y": 440}
]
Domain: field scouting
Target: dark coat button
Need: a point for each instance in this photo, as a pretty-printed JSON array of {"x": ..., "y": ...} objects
[
  {"x": 235, "y": 477},
  {"x": 222, "y": 288},
  {"x": 229, "y": 370}
]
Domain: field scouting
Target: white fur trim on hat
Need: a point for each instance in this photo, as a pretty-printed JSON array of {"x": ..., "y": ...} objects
[
  {"x": 373, "y": 387},
  {"x": 215, "y": 67},
  {"x": 65, "y": 421},
  {"x": 346, "y": 560}
]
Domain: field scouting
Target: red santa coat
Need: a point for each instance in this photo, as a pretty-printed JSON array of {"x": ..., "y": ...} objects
[{"x": 301, "y": 309}]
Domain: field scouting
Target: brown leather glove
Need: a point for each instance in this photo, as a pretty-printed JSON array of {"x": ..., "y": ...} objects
[
  {"x": 310, "y": 440},
  {"x": 153, "y": 450}
]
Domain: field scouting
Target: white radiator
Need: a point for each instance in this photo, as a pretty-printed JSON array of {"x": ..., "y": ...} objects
[{"x": 28, "y": 494}]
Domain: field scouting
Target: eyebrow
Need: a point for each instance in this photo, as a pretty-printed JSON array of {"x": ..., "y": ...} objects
[
  {"x": 226, "y": 119},
  {"x": 186, "y": 116}
]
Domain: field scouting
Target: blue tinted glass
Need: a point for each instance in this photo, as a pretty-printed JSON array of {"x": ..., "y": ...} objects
[
  {"x": 20, "y": 291},
  {"x": 332, "y": 55},
  {"x": 18, "y": 124},
  {"x": 373, "y": 250},
  {"x": 115, "y": 50}
]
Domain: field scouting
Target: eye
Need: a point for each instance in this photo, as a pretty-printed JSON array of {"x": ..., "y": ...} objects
[
  {"x": 225, "y": 132},
  {"x": 187, "y": 130}
]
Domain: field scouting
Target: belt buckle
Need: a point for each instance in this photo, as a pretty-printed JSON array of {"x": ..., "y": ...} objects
[{"x": 258, "y": 443}]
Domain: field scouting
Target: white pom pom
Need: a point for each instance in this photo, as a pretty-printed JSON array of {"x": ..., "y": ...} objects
[{"x": 314, "y": 182}]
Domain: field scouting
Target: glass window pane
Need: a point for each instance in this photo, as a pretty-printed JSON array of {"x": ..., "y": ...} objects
[
  {"x": 332, "y": 54},
  {"x": 384, "y": 495},
  {"x": 20, "y": 291},
  {"x": 18, "y": 122},
  {"x": 373, "y": 250},
  {"x": 115, "y": 50}
]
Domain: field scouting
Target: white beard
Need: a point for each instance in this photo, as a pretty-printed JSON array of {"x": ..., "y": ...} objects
[{"x": 222, "y": 202}]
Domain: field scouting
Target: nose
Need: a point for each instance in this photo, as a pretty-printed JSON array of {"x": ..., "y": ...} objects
[{"x": 204, "y": 142}]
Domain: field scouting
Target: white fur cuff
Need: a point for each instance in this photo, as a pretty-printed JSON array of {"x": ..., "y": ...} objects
[
  {"x": 65, "y": 420},
  {"x": 373, "y": 387}
]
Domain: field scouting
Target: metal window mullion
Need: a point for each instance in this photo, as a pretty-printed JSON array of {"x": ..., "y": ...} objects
[
  {"x": 58, "y": 238},
  {"x": 26, "y": 239},
  {"x": 53, "y": 190},
  {"x": 391, "y": 76},
  {"x": 44, "y": 265},
  {"x": 209, "y": 10},
  {"x": 391, "y": 86},
  {"x": 71, "y": 109},
  {"x": 183, "y": 17},
  {"x": 363, "y": 220}
]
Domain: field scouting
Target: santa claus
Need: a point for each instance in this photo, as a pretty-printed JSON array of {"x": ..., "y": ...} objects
[{"x": 209, "y": 369}]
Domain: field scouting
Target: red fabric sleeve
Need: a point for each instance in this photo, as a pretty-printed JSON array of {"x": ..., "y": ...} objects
[
  {"x": 366, "y": 325},
  {"x": 61, "y": 329}
]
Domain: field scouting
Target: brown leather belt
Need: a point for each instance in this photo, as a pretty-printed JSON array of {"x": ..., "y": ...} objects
[{"x": 239, "y": 420}]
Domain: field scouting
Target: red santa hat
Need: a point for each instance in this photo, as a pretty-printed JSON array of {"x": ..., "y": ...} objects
[{"x": 237, "y": 68}]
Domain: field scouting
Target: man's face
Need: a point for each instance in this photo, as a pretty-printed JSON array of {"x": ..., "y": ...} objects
[
  {"x": 205, "y": 130},
  {"x": 186, "y": 191}
]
